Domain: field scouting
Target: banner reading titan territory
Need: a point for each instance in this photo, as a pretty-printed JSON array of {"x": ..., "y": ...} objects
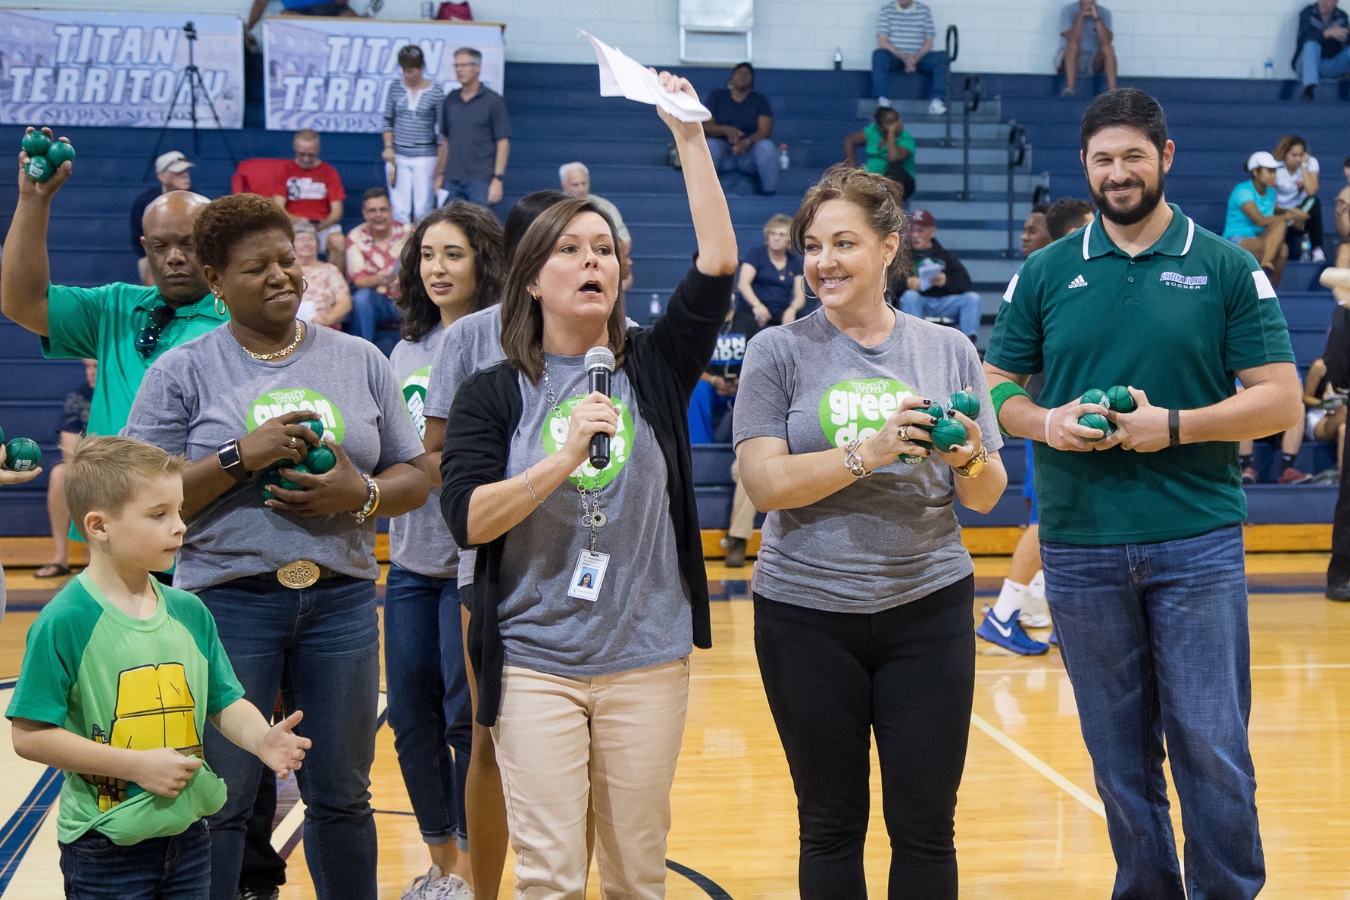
[
  {"x": 334, "y": 74},
  {"x": 77, "y": 67}
]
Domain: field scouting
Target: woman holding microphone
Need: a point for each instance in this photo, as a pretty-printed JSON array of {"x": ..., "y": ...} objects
[
  {"x": 863, "y": 591},
  {"x": 290, "y": 578},
  {"x": 585, "y": 686}
]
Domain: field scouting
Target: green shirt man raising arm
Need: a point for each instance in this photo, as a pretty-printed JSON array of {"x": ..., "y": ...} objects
[{"x": 1141, "y": 528}]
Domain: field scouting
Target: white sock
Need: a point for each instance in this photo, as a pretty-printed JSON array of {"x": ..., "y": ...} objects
[{"x": 1009, "y": 600}]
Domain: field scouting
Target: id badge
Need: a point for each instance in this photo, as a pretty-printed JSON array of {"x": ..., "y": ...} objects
[{"x": 588, "y": 576}]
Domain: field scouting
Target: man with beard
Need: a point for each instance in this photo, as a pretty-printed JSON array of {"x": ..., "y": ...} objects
[
  {"x": 1141, "y": 537},
  {"x": 126, "y": 327}
]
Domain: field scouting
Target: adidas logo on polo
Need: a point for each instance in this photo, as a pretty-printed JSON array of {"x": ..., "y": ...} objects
[{"x": 1078, "y": 282}]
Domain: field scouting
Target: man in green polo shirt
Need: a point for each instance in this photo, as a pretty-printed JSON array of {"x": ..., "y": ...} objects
[
  {"x": 126, "y": 327},
  {"x": 1140, "y": 530}
]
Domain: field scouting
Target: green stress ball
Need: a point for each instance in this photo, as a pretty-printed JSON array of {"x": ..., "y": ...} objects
[
  {"x": 1120, "y": 399},
  {"x": 315, "y": 426},
  {"x": 22, "y": 455},
  {"x": 320, "y": 460},
  {"x": 966, "y": 403},
  {"x": 1093, "y": 397},
  {"x": 948, "y": 434},
  {"x": 60, "y": 152},
  {"x": 40, "y": 169},
  {"x": 268, "y": 479},
  {"x": 2, "y": 435},
  {"x": 289, "y": 485},
  {"x": 1097, "y": 421},
  {"x": 35, "y": 143}
]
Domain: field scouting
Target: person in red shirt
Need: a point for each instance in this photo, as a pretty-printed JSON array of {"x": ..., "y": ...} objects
[{"x": 314, "y": 193}]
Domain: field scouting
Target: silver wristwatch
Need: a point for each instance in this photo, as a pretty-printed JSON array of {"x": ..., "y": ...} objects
[{"x": 231, "y": 461}]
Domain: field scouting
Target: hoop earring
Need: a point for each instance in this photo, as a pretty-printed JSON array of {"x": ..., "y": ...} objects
[
  {"x": 221, "y": 308},
  {"x": 304, "y": 285}
]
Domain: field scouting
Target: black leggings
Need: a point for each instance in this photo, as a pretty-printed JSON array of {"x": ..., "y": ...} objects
[
  {"x": 832, "y": 679},
  {"x": 1294, "y": 236}
]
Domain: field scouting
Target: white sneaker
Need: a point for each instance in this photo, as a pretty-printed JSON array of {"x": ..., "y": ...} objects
[
  {"x": 937, "y": 108},
  {"x": 882, "y": 101},
  {"x": 1318, "y": 255},
  {"x": 435, "y": 886},
  {"x": 1035, "y": 611}
]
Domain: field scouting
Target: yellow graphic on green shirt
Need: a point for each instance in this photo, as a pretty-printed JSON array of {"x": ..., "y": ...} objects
[
  {"x": 154, "y": 709},
  {"x": 274, "y": 403},
  {"x": 857, "y": 408},
  {"x": 415, "y": 398}
]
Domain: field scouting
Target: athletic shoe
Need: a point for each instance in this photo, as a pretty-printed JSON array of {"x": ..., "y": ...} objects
[
  {"x": 1294, "y": 476},
  {"x": 1309, "y": 92},
  {"x": 1338, "y": 592},
  {"x": 435, "y": 886},
  {"x": 735, "y": 552},
  {"x": 937, "y": 108},
  {"x": 1054, "y": 639},
  {"x": 259, "y": 892},
  {"x": 1249, "y": 475},
  {"x": 1319, "y": 255},
  {"x": 1067, "y": 92},
  {"x": 883, "y": 102},
  {"x": 1009, "y": 635},
  {"x": 1327, "y": 476},
  {"x": 1035, "y": 611}
]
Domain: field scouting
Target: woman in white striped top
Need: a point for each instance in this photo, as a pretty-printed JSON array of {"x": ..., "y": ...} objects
[{"x": 413, "y": 126}]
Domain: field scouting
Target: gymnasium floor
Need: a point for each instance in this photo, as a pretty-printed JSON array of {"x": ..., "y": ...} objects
[{"x": 1029, "y": 824}]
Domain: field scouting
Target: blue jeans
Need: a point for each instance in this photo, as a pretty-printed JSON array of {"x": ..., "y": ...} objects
[
  {"x": 167, "y": 868},
  {"x": 965, "y": 308},
  {"x": 704, "y": 403},
  {"x": 473, "y": 191},
  {"x": 934, "y": 63},
  {"x": 1154, "y": 638},
  {"x": 761, "y": 161},
  {"x": 1314, "y": 67},
  {"x": 428, "y": 692},
  {"x": 326, "y": 641},
  {"x": 370, "y": 309}
]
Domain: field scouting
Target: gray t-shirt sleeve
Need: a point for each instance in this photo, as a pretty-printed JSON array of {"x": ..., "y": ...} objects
[
  {"x": 764, "y": 390},
  {"x": 447, "y": 372},
  {"x": 160, "y": 413},
  {"x": 398, "y": 438}
]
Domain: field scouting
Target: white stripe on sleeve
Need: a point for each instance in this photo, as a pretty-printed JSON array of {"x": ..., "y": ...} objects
[
  {"x": 1264, "y": 290},
  {"x": 1012, "y": 287}
]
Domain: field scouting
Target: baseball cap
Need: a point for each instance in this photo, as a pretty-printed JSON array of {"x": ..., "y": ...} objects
[
  {"x": 174, "y": 161},
  {"x": 1261, "y": 159},
  {"x": 922, "y": 218}
]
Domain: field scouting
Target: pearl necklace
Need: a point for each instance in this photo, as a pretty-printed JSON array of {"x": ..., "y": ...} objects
[{"x": 299, "y": 333}]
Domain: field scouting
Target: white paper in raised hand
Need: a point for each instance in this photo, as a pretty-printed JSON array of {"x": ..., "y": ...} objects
[{"x": 621, "y": 76}]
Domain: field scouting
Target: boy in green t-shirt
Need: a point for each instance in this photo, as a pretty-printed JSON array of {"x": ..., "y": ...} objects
[{"x": 119, "y": 677}]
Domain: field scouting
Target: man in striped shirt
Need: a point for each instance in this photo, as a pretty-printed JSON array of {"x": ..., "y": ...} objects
[{"x": 905, "y": 36}]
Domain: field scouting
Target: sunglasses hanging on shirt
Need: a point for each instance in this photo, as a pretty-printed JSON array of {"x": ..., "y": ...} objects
[{"x": 147, "y": 339}]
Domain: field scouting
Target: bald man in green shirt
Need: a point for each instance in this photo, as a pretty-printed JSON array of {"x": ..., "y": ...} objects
[
  {"x": 1141, "y": 537},
  {"x": 126, "y": 327}
]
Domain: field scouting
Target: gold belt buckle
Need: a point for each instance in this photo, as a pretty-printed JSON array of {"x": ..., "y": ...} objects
[{"x": 299, "y": 574}]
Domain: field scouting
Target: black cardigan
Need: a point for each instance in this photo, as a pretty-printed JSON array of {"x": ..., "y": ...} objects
[{"x": 664, "y": 364}]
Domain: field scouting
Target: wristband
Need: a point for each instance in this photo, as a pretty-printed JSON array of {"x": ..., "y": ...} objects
[
  {"x": 1000, "y": 393},
  {"x": 1048, "y": 413},
  {"x": 1174, "y": 428}
]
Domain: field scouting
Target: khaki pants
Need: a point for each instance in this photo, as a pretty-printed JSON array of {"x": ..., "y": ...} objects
[
  {"x": 742, "y": 510},
  {"x": 610, "y": 741}
]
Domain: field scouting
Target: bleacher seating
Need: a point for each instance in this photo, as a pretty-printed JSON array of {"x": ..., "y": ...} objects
[{"x": 558, "y": 116}]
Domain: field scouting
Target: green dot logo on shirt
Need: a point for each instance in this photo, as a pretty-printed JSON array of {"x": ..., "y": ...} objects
[
  {"x": 556, "y": 427},
  {"x": 415, "y": 398},
  {"x": 274, "y": 403},
  {"x": 857, "y": 408}
]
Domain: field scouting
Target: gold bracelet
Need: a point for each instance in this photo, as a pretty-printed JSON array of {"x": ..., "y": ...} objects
[{"x": 528, "y": 487}]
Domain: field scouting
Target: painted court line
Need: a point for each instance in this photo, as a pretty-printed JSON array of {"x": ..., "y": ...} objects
[{"x": 1030, "y": 759}]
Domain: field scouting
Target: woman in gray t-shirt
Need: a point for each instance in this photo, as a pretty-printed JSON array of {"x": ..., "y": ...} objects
[
  {"x": 451, "y": 267},
  {"x": 290, "y": 580},
  {"x": 863, "y": 591}
]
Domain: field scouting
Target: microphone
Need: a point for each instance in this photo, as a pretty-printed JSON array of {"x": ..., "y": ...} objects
[{"x": 599, "y": 368}]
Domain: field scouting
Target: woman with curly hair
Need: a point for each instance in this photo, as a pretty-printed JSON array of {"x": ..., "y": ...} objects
[
  {"x": 451, "y": 266},
  {"x": 288, "y": 570}
]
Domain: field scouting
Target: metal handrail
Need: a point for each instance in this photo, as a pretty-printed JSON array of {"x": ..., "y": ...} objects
[
  {"x": 970, "y": 102},
  {"x": 953, "y": 50},
  {"x": 1017, "y": 154}
]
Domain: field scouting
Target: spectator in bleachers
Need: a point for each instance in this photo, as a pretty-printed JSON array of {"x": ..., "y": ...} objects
[
  {"x": 770, "y": 288},
  {"x": 1289, "y": 443},
  {"x": 326, "y": 300},
  {"x": 1085, "y": 46},
  {"x": 938, "y": 284},
  {"x": 1035, "y": 233},
  {"x": 1066, "y": 215},
  {"x": 889, "y": 148},
  {"x": 314, "y": 194},
  {"x": 1296, "y": 183},
  {"x": 1255, "y": 222},
  {"x": 1326, "y": 415},
  {"x": 905, "y": 34},
  {"x": 471, "y": 161},
  {"x": 414, "y": 126},
  {"x": 172, "y": 170},
  {"x": 373, "y": 250},
  {"x": 576, "y": 182},
  {"x": 125, "y": 327},
  {"x": 739, "y": 132},
  {"x": 300, "y": 8},
  {"x": 1323, "y": 44},
  {"x": 74, "y": 421},
  {"x": 1343, "y": 220}
]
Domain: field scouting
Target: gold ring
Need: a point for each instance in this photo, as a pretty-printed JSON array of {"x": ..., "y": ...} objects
[
  {"x": 904, "y": 432},
  {"x": 293, "y": 443}
]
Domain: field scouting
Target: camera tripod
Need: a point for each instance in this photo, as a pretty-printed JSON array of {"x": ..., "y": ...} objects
[{"x": 192, "y": 78}]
